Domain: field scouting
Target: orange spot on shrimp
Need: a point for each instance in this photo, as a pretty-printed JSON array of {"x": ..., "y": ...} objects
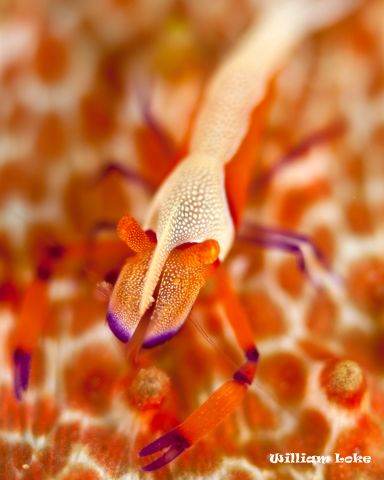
[
  {"x": 286, "y": 375},
  {"x": 344, "y": 382}
]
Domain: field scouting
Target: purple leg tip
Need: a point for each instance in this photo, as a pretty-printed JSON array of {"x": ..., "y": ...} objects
[
  {"x": 22, "y": 366},
  {"x": 158, "y": 340},
  {"x": 176, "y": 443},
  {"x": 116, "y": 328},
  {"x": 252, "y": 355}
]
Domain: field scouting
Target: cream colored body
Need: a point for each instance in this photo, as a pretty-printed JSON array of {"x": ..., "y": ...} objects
[{"x": 191, "y": 205}]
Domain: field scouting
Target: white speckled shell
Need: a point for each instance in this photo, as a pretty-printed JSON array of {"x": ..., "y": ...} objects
[{"x": 191, "y": 206}]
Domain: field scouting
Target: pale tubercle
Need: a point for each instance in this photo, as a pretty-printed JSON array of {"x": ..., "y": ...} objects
[
  {"x": 191, "y": 206},
  {"x": 240, "y": 83}
]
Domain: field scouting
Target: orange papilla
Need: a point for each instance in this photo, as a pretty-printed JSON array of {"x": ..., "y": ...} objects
[
  {"x": 359, "y": 217},
  {"x": 311, "y": 435},
  {"x": 53, "y": 457},
  {"x": 108, "y": 448},
  {"x": 90, "y": 378},
  {"x": 88, "y": 200},
  {"x": 45, "y": 414},
  {"x": 213, "y": 411},
  {"x": 51, "y": 57},
  {"x": 286, "y": 374},
  {"x": 323, "y": 237},
  {"x": 315, "y": 350},
  {"x": 32, "y": 315},
  {"x": 6, "y": 466},
  {"x": 290, "y": 278},
  {"x": 296, "y": 201},
  {"x": 364, "y": 439},
  {"x": 234, "y": 311},
  {"x": 51, "y": 136},
  {"x": 97, "y": 116},
  {"x": 14, "y": 414},
  {"x": 322, "y": 315},
  {"x": 21, "y": 454},
  {"x": 201, "y": 461},
  {"x": 265, "y": 316},
  {"x": 258, "y": 415},
  {"x": 344, "y": 382},
  {"x": 365, "y": 281},
  {"x": 238, "y": 172}
]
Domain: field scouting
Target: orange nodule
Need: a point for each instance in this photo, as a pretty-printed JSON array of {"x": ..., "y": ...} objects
[
  {"x": 130, "y": 232},
  {"x": 344, "y": 382}
]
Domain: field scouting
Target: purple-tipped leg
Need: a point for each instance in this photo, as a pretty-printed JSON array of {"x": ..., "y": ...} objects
[
  {"x": 127, "y": 173},
  {"x": 22, "y": 368},
  {"x": 319, "y": 137},
  {"x": 290, "y": 242},
  {"x": 176, "y": 443}
]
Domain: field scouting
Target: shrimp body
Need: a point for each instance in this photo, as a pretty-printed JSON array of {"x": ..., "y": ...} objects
[{"x": 201, "y": 200}]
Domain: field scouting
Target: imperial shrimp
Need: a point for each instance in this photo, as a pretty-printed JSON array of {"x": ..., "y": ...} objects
[{"x": 194, "y": 216}]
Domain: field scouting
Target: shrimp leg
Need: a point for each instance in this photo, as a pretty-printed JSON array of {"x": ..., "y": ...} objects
[{"x": 225, "y": 399}]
